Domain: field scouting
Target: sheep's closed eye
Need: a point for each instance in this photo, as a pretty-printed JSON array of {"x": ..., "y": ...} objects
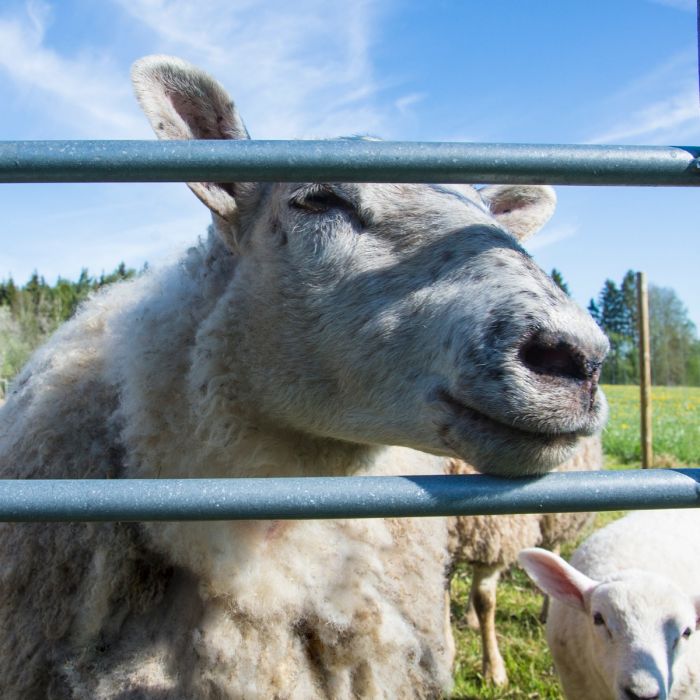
[{"x": 323, "y": 199}]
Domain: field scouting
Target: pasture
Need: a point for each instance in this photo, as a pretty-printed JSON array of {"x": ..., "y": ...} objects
[{"x": 676, "y": 425}]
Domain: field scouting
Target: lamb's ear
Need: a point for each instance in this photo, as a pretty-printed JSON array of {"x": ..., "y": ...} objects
[
  {"x": 182, "y": 102},
  {"x": 696, "y": 603},
  {"x": 522, "y": 209},
  {"x": 555, "y": 577}
]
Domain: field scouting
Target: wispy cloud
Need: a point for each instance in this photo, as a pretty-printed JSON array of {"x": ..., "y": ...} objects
[
  {"x": 656, "y": 122},
  {"x": 685, "y": 5},
  {"x": 85, "y": 90},
  {"x": 404, "y": 104},
  {"x": 300, "y": 70},
  {"x": 295, "y": 69},
  {"x": 552, "y": 235},
  {"x": 661, "y": 106}
]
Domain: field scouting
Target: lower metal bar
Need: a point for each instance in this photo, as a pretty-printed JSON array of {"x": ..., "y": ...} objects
[
  {"x": 351, "y": 160},
  {"x": 343, "y": 497}
]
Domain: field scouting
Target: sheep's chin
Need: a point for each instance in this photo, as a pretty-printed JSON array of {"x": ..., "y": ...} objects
[{"x": 500, "y": 449}]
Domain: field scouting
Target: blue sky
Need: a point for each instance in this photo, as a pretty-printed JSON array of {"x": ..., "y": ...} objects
[{"x": 601, "y": 71}]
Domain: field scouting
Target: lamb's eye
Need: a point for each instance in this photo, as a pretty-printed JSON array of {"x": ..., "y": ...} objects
[
  {"x": 687, "y": 632},
  {"x": 598, "y": 619}
]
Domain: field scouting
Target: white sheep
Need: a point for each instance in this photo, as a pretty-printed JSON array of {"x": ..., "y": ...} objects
[
  {"x": 490, "y": 544},
  {"x": 322, "y": 329},
  {"x": 624, "y": 613}
]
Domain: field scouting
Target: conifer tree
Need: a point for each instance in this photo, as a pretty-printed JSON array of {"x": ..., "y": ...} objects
[{"x": 558, "y": 279}]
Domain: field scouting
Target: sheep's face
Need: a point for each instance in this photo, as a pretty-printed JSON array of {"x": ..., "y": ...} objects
[
  {"x": 422, "y": 322},
  {"x": 393, "y": 314},
  {"x": 639, "y": 625}
]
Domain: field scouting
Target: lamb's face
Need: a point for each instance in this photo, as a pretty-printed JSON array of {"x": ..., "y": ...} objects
[
  {"x": 621, "y": 636},
  {"x": 392, "y": 314},
  {"x": 424, "y": 321},
  {"x": 639, "y": 625}
]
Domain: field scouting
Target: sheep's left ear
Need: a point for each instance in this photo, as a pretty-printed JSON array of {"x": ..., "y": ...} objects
[
  {"x": 556, "y": 578},
  {"x": 522, "y": 209},
  {"x": 183, "y": 103}
]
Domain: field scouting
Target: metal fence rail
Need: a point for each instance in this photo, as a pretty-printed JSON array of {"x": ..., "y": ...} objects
[
  {"x": 346, "y": 161},
  {"x": 343, "y": 497},
  {"x": 349, "y": 161}
]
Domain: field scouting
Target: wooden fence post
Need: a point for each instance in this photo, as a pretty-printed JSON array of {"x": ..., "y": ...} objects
[{"x": 644, "y": 370}]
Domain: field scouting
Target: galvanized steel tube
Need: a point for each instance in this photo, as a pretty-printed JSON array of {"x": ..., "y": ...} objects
[
  {"x": 343, "y": 497},
  {"x": 352, "y": 160}
]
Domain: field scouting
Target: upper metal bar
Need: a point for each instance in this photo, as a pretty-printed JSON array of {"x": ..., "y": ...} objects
[
  {"x": 342, "y": 497},
  {"x": 346, "y": 161}
]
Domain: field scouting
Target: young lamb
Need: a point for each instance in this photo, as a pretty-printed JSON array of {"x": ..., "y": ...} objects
[
  {"x": 490, "y": 544},
  {"x": 322, "y": 329},
  {"x": 624, "y": 612}
]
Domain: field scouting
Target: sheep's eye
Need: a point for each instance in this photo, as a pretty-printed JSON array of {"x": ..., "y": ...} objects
[
  {"x": 598, "y": 619},
  {"x": 687, "y": 632},
  {"x": 322, "y": 200}
]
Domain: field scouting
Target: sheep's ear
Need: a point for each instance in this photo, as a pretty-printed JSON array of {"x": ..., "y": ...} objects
[
  {"x": 522, "y": 209},
  {"x": 182, "y": 102},
  {"x": 555, "y": 577}
]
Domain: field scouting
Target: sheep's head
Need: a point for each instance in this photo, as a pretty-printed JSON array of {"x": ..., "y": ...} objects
[
  {"x": 637, "y": 623},
  {"x": 391, "y": 313}
]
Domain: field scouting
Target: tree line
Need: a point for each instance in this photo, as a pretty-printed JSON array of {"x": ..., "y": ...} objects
[
  {"x": 675, "y": 347},
  {"x": 30, "y": 313}
]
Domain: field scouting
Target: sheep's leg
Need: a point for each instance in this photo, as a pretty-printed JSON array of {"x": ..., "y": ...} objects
[
  {"x": 484, "y": 594},
  {"x": 544, "y": 612},
  {"x": 471, "y": 618}
]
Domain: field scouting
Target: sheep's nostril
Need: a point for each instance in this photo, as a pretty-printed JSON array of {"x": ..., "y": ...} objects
[{"x": 559, "y": 360}]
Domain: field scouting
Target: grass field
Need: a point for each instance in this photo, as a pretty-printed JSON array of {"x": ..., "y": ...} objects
[{"x": 676, "y": 427}]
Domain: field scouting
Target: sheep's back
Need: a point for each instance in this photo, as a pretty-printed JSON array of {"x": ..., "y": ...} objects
[
  {"x": 493, "y": 540},
  {"x": 557, "y": 528},
  {"x": 662, "y": 541},
  {"x": 496, "y": 540}
]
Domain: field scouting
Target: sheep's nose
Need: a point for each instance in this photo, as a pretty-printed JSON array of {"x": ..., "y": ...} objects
[
  {"x": 550, "y": 356},
  {"x": 632, "y": 695}
]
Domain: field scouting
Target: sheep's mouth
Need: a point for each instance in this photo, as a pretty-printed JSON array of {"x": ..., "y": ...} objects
[
  {"x": 499, "y": 448},
  {"x": 465, "y": 413}
]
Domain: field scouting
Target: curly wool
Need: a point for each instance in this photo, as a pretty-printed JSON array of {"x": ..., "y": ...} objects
[{"x": 205, "y": 610}]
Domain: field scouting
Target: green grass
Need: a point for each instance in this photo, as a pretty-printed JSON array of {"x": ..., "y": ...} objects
[{"x": 676, "y": 426}]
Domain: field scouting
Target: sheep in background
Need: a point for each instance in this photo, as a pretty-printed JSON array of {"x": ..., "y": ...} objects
[
  {"x": 624, "y": 613},
  {"x": 323, "y": 329},
  {"x": 490, "y": 544}
]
